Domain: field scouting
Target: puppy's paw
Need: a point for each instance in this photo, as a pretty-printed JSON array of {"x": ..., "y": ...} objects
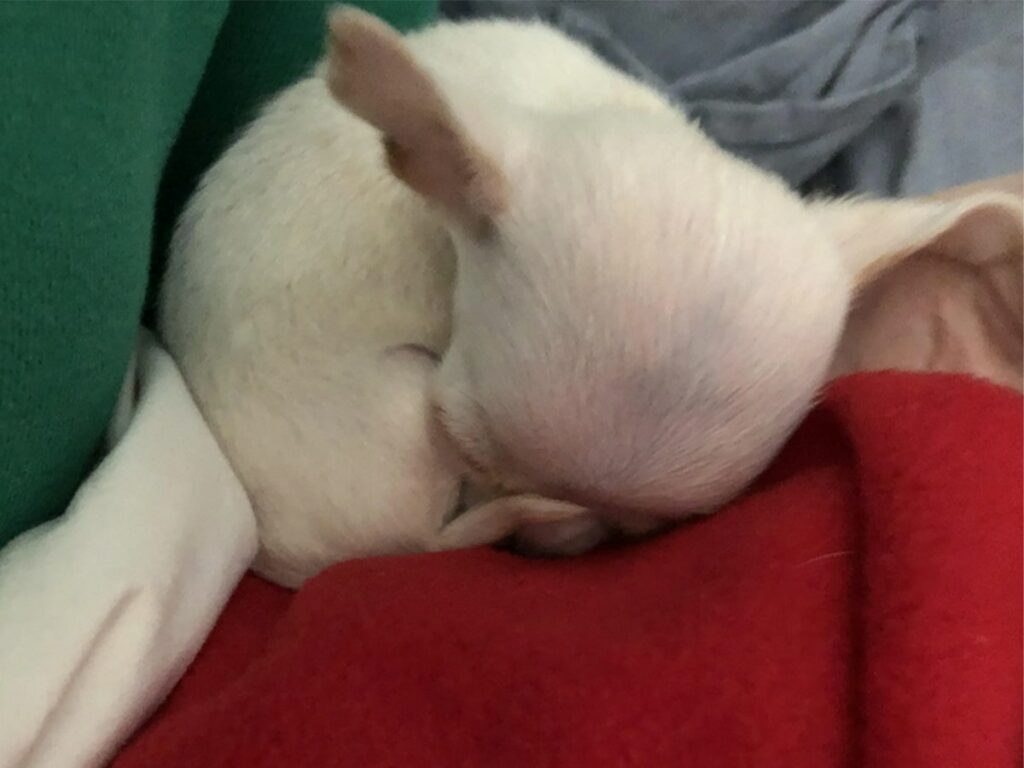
[{"x": 560, "y": 538}]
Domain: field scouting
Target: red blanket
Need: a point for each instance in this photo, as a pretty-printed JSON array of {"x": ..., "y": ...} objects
[{"x": 860, "y": 606}]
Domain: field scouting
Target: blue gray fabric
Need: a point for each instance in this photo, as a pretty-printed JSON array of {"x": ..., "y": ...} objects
[{"x": 881, "y": 96}]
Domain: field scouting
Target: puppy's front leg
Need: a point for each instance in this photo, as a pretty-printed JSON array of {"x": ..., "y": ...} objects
[{"x": 541, "y": 525}]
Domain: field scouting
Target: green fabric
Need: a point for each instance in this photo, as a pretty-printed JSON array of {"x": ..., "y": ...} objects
[
  {"x": 95, "y": 95},
  {"x": 262, "y": 47}
]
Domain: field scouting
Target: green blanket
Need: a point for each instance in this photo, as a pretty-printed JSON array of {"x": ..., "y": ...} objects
[{"x": 110, "y": 111}]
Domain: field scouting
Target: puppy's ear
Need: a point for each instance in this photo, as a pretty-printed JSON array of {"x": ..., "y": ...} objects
[
  {"x": 875, "y": 235},
  {"x": 371, "y": 73},
  {"x": 938, "y": 282}
]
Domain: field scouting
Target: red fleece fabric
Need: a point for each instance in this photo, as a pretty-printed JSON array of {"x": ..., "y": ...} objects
[{"x": 860, "y": 606}]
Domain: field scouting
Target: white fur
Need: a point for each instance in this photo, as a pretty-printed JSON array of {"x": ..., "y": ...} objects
[
  {"x": 634, "y": 288},
  {"x": 299, "y": 262},
  {"x": 636, "y": 331}
]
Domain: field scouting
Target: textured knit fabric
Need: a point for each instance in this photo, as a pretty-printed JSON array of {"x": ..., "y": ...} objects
[
  {"x": 861, "y": 606},
  {"x": 93, "y": 96}
]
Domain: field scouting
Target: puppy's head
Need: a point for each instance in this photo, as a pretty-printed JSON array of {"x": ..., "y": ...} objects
[{"x": 640, "y": 319}]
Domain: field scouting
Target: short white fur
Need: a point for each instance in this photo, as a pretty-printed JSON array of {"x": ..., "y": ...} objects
[{"x": 638, "y": 323}]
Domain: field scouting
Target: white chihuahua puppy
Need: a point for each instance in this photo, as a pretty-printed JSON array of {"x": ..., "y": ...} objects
[{"x": 630, "y": 322}]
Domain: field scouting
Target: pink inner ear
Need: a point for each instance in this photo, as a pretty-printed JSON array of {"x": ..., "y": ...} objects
[
  {"x": 936, "y": 314},
  {"x": 957, "y": 306},
  {"x": 982, "y": 233}
]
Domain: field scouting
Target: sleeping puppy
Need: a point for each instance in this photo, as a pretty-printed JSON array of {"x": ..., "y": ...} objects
[{"x": 481, "y": 252}]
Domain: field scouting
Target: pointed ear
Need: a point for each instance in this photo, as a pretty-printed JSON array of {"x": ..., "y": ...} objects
[
  {"x": 876, "y": 235},
  {"x": 939, "y": 282},
  {"x": 371, "y": 73}
]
